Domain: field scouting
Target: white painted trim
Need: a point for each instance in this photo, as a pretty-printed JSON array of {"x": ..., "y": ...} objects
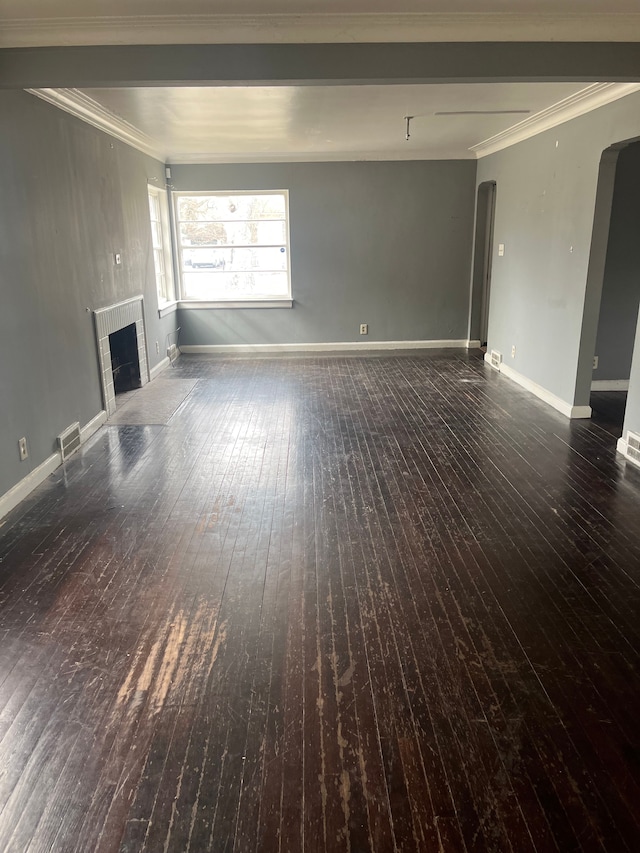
[
  {"x": 32, "y": 480},
  {"x": 584, "y": 101},
  {"x": 168, "y": 286},
  {"x": 319, "y": 28},
  {"x": 323, "y": 347},
  {"x": 169, "y": 308},
  {"x": 580, "y": 412},
  {"x": 473, "y": 344},
  {"x": 610, "y": 385},
  {"x": 37, "y": 476},
  {"x": 93, "y": 426},
  {"x": 81, "y": 106},
  {"x": 542, "y": 393},
  {"x": 199, "y": 305},
  {"x": 623, "y": 448},
  {"x": 157, "y": 370},
  {"x": 128, "y": 301},
  {"x": 398, "y": 154}
]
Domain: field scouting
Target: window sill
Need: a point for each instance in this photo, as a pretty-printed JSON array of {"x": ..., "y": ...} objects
[
  {"x": 197, "y": 304},
  {"x": 167, "y": 308}
]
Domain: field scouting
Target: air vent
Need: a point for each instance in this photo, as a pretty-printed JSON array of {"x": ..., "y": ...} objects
[
  {"x": 69, "y": 441},
  {"x": 496, "y": 359},
  {"x": 633, "y": 446}
]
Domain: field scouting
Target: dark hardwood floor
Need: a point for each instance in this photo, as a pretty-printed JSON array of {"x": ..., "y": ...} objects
[
  {"x": 608, "y": 408},
  {"x": 383, "y": 603}
]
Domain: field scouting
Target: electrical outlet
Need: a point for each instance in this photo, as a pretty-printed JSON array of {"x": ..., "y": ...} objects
[
  {"x": 364, "y": 328},
  {"x": 157, "y": 347},
  {"x": 23, "y": 449},
  {"x": 513, "y": 351},
  {"x": 501, "y": 250},
  {"x": 117, "y": 259},
  {"x": 595, "y": 362}
]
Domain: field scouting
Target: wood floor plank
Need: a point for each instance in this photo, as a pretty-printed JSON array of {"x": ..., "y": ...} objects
[{"x": 385, "y": 602}]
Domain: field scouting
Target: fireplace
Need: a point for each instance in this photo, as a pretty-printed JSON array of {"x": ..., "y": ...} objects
[
  {"x": 125, "y": 363},
  {"x": 122, "y": 350}
]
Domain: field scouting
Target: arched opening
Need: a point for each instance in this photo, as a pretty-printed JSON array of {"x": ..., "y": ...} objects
[
  {"x": 613, "y": 289},
  {"x": 482, "y": 254}
]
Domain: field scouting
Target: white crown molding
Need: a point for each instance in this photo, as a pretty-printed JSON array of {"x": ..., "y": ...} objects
[
  {"x": 318, "y": 28},
  {"x": 85, "y": 108},
  {"x": 395, "y": 155},
  {"x": 584, "y": 101}
]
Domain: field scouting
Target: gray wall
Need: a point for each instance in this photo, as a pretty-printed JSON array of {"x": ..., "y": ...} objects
[
  {"x": 632, "y": 412},
  {"x": 353, "y": 63},
  {"x": 546, "y": 190},
  {"x": 388, "y": 244},
  {"x": 70, "y": 196},
  {"x": 621, "y": 285}
]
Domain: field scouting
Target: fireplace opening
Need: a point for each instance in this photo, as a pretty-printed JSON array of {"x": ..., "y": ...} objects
[{"x": 125, "y": 362}]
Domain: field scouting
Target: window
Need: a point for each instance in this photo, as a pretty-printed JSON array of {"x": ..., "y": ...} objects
[
  {"x": 233, "y": 246},
  {"x": 159, "y": 215}
]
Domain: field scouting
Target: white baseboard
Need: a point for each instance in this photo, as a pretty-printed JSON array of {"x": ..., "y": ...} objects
[
  {"x": 157, "y": 370},
  {"x": 24, "y": 487},
  {"x": 580, "y": 412},
  {"x": 34, "y": 478},
  {"x": 610, "y": 385},
  {"x": 93, "y": 426},
  {"x": 557, "y": 403},
  {"x": 323, "y": 347},
  {"x": 623, "y": 448},
  {"x": 473, "y": 344}
]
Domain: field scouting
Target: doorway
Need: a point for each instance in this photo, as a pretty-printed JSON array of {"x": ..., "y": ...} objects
[
  {"x": 620, "y": 298},
  {"x": 482, "y": 259}
]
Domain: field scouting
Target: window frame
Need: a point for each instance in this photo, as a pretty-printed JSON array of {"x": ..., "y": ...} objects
[
  {"x": 235, "y": 301},
  {"x": 167, "y": 298}
]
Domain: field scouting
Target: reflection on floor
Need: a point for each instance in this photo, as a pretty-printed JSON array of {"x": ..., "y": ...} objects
[{"x": 330, "y": 604}]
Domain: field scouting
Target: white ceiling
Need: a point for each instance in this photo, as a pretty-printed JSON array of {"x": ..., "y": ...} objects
[
  {"x": 235, "y": 124},
  {"x": 241, "y": 124}
]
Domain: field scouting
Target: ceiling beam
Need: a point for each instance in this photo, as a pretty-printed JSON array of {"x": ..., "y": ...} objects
[
  {"x": 321, "y": 27},
  {"x": 316, "y": 64}
]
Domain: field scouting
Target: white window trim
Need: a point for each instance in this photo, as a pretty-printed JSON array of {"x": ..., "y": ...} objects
[
  {"x": 242, "y": 302},
  {"x": 168, "y": 308},
  {"x": 165, "y": 306},
  {"x": 205, "y": 304}
]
